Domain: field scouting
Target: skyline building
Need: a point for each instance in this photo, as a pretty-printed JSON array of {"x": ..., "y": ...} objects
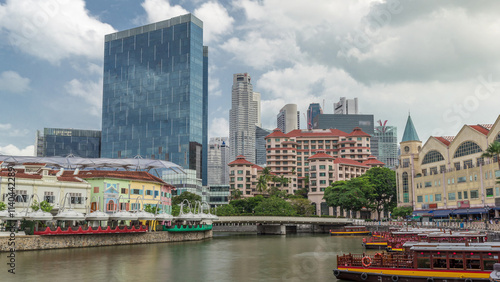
[
  {"x": 155, "y": 94},
  {"x": 387, "y": 137},
  {"x": 244, "y": 116},
  {"x": 62, "y": 142},
  {"x": 347, "y": 123},
  {"x": 288, "y": 118},
  {"x": 313, "y": 110},
  {"x": 260, "y": 145},
  {"x": 346, "y": 106},
  {"x": 218, "y": 158}
]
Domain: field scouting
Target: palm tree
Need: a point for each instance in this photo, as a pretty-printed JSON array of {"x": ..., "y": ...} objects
[
  {"x": 236, "y": 194},
  {"x": 262, "y": 183},
  {"x": 493, "y": 151}
]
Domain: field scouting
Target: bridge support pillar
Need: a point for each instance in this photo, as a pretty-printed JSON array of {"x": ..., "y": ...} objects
[{"x": 271, "y": 229}]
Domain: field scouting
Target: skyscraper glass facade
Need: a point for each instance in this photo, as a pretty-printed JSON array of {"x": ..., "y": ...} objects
[
  {"x": 155, "y": 93},
  {"x": 387, "y": 145},
  {"x": 62, "y": 142},
  {"x": 313, "y": 110}
]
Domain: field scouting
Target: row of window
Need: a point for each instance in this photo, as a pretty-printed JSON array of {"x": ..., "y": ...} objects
[
  {"x": 320, "y": 141},
  {"x": 461, "y": 195}
]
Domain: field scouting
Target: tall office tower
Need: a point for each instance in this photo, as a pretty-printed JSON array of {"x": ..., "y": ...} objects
[
  {"x": 313, "y": 110},
  {"x": 260, "y": 144},
  {"x": 288, "y": 118},
  {"x": 218, "y": 158},
  {"x": 244, "y": 116},
  {"x": 62, "y": 142},
  {"x": 346, "y": 106},
  {"x": 155, "y": 93},
  {"x": 387, "y": 144}
]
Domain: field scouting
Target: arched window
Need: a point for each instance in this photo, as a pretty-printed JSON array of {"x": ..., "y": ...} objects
[
  {"x": 432, "y": 157},
  {"x": 467, "y": 148},
  {"x": 498, "y": 137},
  {"x": 110, "y": 206},
  {"x": 406, "y": 194}
]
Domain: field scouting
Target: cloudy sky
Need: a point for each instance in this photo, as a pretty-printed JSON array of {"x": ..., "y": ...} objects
[{"x": 440, "y": 60}]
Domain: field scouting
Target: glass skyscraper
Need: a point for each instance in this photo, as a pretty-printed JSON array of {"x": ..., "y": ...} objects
[
  {"x": 387, "y": 144},
  {"x": 155, "y": 93},
  {"x": 62, "y": 142}
]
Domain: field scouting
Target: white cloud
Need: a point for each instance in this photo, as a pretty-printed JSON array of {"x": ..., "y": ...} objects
[
  {"x": 89, "y": 91},
  {"x": 160, "y": 10},
  {"x": 216, "y": 19},
  {"x": 11, "y": 81},
  {"x": 12, "y": 150},
  {"x": 5, "y": 126},
  {"x": 53, "y": 30},
  {"x": 219, "y": 127}
]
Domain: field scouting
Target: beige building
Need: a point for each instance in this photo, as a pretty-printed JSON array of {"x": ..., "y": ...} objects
[
  {"x": 321, "y": 156},
  {"x": 447, "y": 176},
  {"x": 50, "y": 185}
]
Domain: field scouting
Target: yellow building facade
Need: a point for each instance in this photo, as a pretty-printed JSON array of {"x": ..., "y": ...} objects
[{"x": 447, "y": 176}]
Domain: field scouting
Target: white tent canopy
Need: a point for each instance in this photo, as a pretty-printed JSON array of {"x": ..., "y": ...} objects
[{"x": 83, "y": 163}]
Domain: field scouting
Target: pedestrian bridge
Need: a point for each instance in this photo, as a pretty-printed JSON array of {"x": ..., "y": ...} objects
[
  {"x": 284, "y": 220},
  {"x": 279, "y": 225}
]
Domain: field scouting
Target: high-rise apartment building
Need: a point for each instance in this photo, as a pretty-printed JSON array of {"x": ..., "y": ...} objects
[
  {"x": 244, "y": 116},
  {"x": 346, "y": 106},
  {"x": 218, "y": 158},
  {"x": 62, "y": 142},
  {"x": 155, "y": 93},
  {"x": 321, "y": 155},
  {"x": 313, "y": 110},
  {"x": 347, "y": 123},
  {"x": 288, "y": 118},
  {"x": 387, "y": 137}
]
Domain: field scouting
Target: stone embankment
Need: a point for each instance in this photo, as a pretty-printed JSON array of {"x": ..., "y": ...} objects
[{"x": 37, "y": 242}]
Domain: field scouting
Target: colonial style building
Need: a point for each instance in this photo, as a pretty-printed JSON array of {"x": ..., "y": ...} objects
[
  {"x": 312, "y": 159},
  {"x": 447, "y": 176}
]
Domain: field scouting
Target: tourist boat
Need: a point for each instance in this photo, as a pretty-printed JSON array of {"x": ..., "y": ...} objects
[
  {"x": 350, "y": 230},
  {"x": 395, "y": 243},
  {"x": 423, "y": 261},
  {"x": 375, "y": 243}
]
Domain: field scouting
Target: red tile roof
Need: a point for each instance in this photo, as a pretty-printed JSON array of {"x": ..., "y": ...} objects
[
  {"x": 320, "y": 155},
  {"x": 316, "y": 133},
  {"x": 373, "y": 162},
  {"x": 481, "y": 129},
  {"x": 257, "y": 167},
  {"x": 348, "y": 162},
  {"x": 240, "y": 160},
  {"x": 276, "y": 133},
  {"x": 443, "y": 140},
  {"x": 20, "y": 174},
  {"x": 358, "y": 132},
  {"x": 35, "y": 164}
]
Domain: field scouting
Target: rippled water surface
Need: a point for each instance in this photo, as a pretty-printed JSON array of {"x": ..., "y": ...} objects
[{"x": 226, "y": 257}]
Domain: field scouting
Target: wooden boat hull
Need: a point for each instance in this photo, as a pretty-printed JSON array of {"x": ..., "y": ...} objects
[
  {"x": 349, "y": 233},
  {"x": 375, "y": 245},
  {"x": 408, "y": 275}
]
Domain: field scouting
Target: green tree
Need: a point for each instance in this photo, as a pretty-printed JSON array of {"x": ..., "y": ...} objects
[
  {"x": 402, "y": 212},
  {"x": 176, "y": 209},
  {"x": 302, "y": 206},
  {"x": 383, "y": 181},
  {"x": 274, "y": 206},
  {"x": 44, "y": 205},
  {"x": 149, "y": 208},
  {"x": 236, "y": 194},
  {"x": 225, "y": 210},
  {"x": 350, "y": 195},
  {"x": 262, "y": 183},
  {"x": 493, "y": 151},
  {"x": 191, "y": 197},
  {"x": 3, "y": 206}
]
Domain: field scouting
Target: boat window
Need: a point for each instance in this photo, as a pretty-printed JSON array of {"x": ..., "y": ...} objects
[
  {"x": 423, "y": 260},
  {"x": 456, "y": 261},
  {"x": 439, "y": 260},
  {"x": 489, "y": 260},
  {"x": 473, "y": 260}
]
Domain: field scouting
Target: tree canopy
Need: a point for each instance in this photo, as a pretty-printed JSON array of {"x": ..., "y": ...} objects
[
  {"x": 191, "y": 197},
  {"x": 44, "y": 205},
  {"x": 354, "y": 194},
  {"x": 401, "y": 212},
  {"x": 383, "y": 181}
]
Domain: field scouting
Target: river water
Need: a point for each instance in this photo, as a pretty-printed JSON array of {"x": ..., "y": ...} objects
[{"x": 225, "y": 257}]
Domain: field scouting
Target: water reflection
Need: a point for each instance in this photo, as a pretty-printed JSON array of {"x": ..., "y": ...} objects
[{"x": 226, "y": 257}]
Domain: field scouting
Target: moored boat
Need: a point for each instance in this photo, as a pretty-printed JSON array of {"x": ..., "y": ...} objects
[
  {"x": 423, "y": 262},
  {"x": 350, "y": 230}
]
